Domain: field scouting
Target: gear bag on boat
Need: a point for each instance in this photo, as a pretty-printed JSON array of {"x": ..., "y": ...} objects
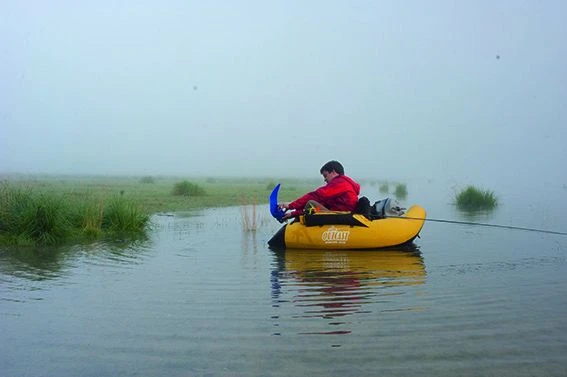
[{"x": 387, "y": 207}]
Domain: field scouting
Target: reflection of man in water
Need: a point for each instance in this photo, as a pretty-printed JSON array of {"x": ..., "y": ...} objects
[
  {"x": 339, "y": 283},
  {"x": 341, "y": 295}
]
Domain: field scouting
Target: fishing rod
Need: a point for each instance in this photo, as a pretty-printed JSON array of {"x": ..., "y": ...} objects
[{"x": 480, "y": 224}]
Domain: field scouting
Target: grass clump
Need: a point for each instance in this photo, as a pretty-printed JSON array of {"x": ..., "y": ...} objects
[
  {"x": 122, "y": 215},
  {"x": 46, "y": 218},
  {"x": 384, "y": 188},
  {"x": 30, "y": 218},
  {"x": 186, "y": 188},
  {"x": 147, "y": 179},
  {"x": 401, "y": 191},
  {"x": 473, "y": 199},
  {"x": 89, "y": 216}
]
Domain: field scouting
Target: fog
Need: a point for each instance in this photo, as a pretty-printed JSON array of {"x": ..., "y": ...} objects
[{"x": 467, "y": 91}]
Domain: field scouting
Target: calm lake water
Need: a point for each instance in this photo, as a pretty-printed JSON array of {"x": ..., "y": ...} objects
[{"x": 203, "y": 298}]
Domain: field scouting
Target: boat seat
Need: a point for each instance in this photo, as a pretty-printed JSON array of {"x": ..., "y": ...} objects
[
  {"x": 363, "y": 207},
  {"x": 332, "y": 218}
]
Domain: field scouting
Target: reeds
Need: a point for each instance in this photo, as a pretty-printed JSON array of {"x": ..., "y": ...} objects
[
  {"x": 248, "y": 217},
  {"x": 384, "y": 188},
  {"x": 474, "y": 199}
]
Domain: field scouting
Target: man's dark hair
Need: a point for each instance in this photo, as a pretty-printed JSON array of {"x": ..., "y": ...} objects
[{"x": 333, "y": 166}]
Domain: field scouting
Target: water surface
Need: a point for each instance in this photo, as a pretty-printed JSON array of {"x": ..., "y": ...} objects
[{"x": 203, "y": 298}]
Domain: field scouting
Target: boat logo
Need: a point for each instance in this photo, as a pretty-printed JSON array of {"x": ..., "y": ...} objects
[{"x": 334, "y": 235}]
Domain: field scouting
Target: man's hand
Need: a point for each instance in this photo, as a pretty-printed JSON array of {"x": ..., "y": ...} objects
[{"x": 284, "y": 206}]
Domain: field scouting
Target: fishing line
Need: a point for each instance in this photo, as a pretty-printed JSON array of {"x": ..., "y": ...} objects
[{"x": 481, "y": 224}]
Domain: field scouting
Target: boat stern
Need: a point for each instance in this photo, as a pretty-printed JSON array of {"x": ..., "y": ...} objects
[{"x": 278, "y": 240}]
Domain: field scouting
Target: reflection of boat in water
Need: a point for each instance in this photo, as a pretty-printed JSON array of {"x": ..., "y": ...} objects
[{"x": 335, "y": 283}]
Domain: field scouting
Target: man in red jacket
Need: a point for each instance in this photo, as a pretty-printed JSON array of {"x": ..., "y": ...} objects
[{"x": 339, "y": 194}]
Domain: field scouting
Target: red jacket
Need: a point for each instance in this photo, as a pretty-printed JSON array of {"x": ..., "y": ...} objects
[{"x": 341, "y": 194}]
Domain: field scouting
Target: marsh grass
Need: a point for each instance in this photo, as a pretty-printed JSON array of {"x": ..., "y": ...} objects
[
  {"x": 474, "y": 199},
  {"x": 86, "y": 200},
  {"x": 157, "y": 197},
  {"x": 28, "y": 217},
  {"x": 384, "y": 188}
]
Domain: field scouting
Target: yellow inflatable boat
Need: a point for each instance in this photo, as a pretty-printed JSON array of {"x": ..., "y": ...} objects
[{"x": 345, "y": 230}]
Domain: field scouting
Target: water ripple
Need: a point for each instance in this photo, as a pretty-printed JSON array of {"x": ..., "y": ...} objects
[{"x": 328, "y": 285}]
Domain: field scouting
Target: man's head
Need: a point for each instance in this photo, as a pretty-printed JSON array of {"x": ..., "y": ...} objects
[{"x": 331, "y": 170}]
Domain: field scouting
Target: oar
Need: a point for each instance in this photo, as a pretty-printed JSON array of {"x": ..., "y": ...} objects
[
  {"x": 480, "y": 224},
  {"x": 276, "y": 211}
]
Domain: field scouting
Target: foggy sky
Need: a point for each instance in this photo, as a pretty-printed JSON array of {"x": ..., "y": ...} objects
[{"x": 466, "y": 90}]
